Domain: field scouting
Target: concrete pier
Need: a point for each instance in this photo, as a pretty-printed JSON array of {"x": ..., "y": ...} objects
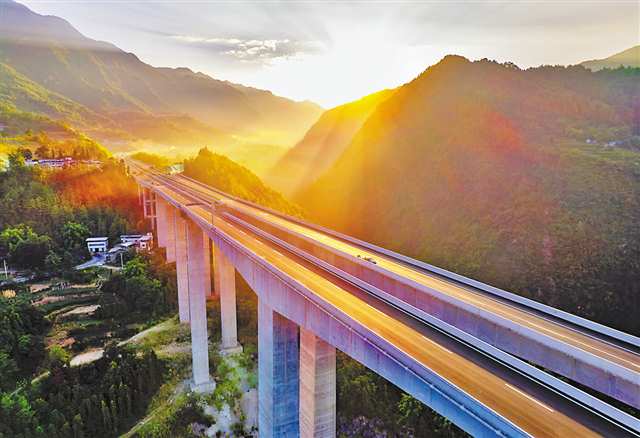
[
  {"x": 181, "y": 266},
  {"x": 206, "y": 254},
  {"x": 278, "y": 367},
  {"x": 171, "y": 233},
  {"x": 317, "y": 387},
  {"x": 145, "y": 202},
  {"x": 226, "y": 279},
  {"x": 201, "y": 381},
  {"x": 162, "y": 221}
]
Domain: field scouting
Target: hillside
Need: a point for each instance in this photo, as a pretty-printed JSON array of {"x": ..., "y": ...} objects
[
  {"x": 528, "y": 180},
  {"x": 160, "y": 104},
  {"x": 220, "y": 172},
  {"x": 322, "y": 145},
  {"x": 626, "y": 58}
]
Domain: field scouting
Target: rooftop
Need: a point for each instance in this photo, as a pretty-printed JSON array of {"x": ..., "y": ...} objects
[{"x": 97, "y": 239}]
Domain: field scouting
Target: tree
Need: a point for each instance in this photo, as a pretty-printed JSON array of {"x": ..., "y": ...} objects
[
  {"x": 26, "y": 153},
  {"x": 78, "y": 427},
  {"x": 43, "y": 151},
  {"x": 8, "y": 371},
  {"x": 16, "y": 160},
  {"x": 24, "y": 247}
]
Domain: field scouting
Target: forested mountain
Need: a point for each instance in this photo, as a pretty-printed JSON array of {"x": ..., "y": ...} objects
[
  {"x": 322, "y": 144},
  {"x": 626, "y": 58},
  {"x": 220, "y": 172},
  {"x": 525, "y": 179},
  {"x": 161, "y": 104}
]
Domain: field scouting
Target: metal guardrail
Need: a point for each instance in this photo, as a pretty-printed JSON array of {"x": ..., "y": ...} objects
[
  {"x": 570, "y": 392},
  {"x": 616, "y": 335},
  {"x": 586, "y": 401}
]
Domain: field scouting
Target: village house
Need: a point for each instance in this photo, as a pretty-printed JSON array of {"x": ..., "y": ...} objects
[{"x": 97, "y": 245}]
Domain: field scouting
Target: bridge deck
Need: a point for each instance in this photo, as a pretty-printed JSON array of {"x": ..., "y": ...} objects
[
  {"x": 535, "y": 410},
  {"x": 613, "y": 353}
]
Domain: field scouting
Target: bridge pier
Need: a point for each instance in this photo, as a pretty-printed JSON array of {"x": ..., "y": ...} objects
[
  {"x": 162, "y": 219},
  {"x": 317, "y": 386},
  {"x": 278, "y": 372},
  {"x": 225, "y": 274},
  {"x": 146, "y": 194},
  {"x": 206, "y": 256},
  {"x": 197, "y": 281},
  {"x": 182, "y": 272},
  {"x": 171, "y": 233}
]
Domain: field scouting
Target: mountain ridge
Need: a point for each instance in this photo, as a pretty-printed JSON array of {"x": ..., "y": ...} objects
[
  {"x": 322, "y": 144},
  {"x": 106, "y": 79},
  {"x": 524, "y": 179},
  {"x": 626, "y": 58}
]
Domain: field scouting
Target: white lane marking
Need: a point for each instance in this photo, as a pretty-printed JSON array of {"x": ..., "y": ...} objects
[{"x": 529, "y": 397}]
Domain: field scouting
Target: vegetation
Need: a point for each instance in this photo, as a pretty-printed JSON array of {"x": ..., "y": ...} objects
[
  {"x": 53, "y": 212},
  {"x": 368, "y": 405},
  {"x": 528, "y": 180},
  {"x": 155, "y": 160},
  {"x": 220, "y": 172},
  {"x": 98, "y": 399},
  {"x": 22, "y": 329},
  {"x": 144, "y": 289}
]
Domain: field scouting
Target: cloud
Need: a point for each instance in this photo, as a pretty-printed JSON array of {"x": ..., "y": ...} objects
[{"x": 259, "y": 51}]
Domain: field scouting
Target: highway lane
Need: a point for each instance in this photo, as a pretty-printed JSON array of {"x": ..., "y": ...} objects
[
  {"x": 534, "y": 321},
  {"x": 535, "y": 410}
]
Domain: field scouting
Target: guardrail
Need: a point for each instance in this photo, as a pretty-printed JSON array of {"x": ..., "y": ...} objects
[
  {"x": 608, "y": 333},
  {"x": 586, "y": 401}
]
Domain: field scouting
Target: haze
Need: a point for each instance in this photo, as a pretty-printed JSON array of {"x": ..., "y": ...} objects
[{"x": 331, "y": 52}]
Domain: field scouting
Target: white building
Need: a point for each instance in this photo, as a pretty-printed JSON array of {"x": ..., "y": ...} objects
[
  {"x": 97, "y": 245},
  {"x": 143, "y": 242}
]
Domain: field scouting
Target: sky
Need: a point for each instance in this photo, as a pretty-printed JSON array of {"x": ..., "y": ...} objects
[{"x": 332, "y": 52}]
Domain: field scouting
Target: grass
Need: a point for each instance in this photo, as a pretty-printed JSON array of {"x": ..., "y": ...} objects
[{"x": 75, "y": 302}]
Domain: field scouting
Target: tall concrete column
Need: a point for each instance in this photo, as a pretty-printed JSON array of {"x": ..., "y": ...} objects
[
  {"x": 162, "y": 220},
  {"x": 216, "y": 277},
  {"x": 225, "y": 274},
  {"x": 317, "y": 386},
  {"x": 171, "y": 233},
  {"x": 182, "y": 271},
  {"x": 206, "y": 254},
  {"x": 198, "y": 309},
  {"x": 278, "y": 368},
  {"x": 145, "y": 202}
]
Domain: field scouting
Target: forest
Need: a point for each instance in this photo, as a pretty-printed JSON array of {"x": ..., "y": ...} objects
[
  {"x": 53, "y": 212},
  {"x": 528, "y": 180},
  {"x": 99, "y": 399}
]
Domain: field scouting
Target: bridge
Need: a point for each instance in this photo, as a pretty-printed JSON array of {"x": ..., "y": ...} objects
[{"x": 494, "y": 363}]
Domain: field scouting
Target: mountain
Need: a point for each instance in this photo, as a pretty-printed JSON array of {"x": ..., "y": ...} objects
[
  {"x": 220, "y": 172},
  {"x": 626, "y": 58},
  {"x": 322, "y": 144},
  {"x": 135, "y": 95},
  {"x": 525, "y": 179}
]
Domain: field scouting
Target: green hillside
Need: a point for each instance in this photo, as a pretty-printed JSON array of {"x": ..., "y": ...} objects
[
  {"x": 220, "y": 172},
  {"x": 323, "y": 144},
  {"x": 185, "y": 107},
  {"x": 626, "y": 58},
  {"x": 525, "y": 179}
]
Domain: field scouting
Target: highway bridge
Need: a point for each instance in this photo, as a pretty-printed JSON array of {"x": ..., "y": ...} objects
[{"x": 487, "y": 359}]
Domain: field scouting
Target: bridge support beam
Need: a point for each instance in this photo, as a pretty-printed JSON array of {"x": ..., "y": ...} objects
[
  {"x": 162, "y": 218},
  {"x": 278, "y": 368},
  {"x": 225, "y": 274},
  {"x": 198, "y": 308},
  {"x": 145, "y": 202},
  {"x": 171, "y": 233},
  {"x": 182, "y": 271},
  {"x": 317, "y": 387},
  {"x": 206, "y": 257}
]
